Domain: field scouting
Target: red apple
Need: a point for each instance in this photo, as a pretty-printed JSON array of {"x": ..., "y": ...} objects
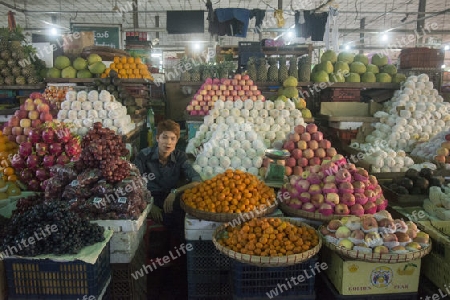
[
  {"x": 299, "y": 129},
  {"x": 317, "y": 136},
  {"x": 291, "y": 162},
  {"x": 306, "y": 137},
  {"x": 331, "y": 152},
  {"x": 287, "y": 171},
  {"x": 302, "y": 162},
  {"x": 36, "y": 123},
  {"x": 25, "y": 123},
  {"x": 311, "y": 128},
  {"x": 313, "y": 145},
  {"x": 43, "y": 107},
  {"x": 315, "y": 161},
  {"x": 325, "y": 144},
  {"x": 302, "y": 145},
  {"x": 341, "y": 209},
  {"x": 14, "y": 121},
  {"x": 298, "y": 170},
  {"x": 245, "y": 77},
  {"x": 289, "y": 145},
  {"x": 308, "y": 153},
  {"x": 320, "y": 152},
  {"x": 45, "y": 117},
  {"x": 246, "y": 87},
  {"x": 297, "y": 153},
  {"x": 17, "y": 130}
]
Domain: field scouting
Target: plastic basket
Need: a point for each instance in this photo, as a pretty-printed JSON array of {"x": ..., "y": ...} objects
[
  {"x": 208, "y": 272},
  {"x": 251, "y": 281},
  {"x": 329, "y": 292},
  {"x": 47, "y": 279},
  {"x": 123, "y": 285}
]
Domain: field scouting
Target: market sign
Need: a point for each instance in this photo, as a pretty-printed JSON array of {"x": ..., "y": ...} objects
[{"x": 104, "y": 35}]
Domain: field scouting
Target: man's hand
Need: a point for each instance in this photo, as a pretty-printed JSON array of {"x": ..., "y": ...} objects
[
  {"x": 156, "y": 214},
  {"x": 168, "y": 203}
]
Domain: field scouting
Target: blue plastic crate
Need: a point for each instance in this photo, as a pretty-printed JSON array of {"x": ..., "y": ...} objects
[
  {"x": 47, "y": 279},
  {"x": 326, "y": 290},
  {"x": 205, "y": 256},
  {"x": 252, "y": 282}
]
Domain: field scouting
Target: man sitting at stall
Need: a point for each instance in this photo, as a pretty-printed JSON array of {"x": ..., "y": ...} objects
[{"x": 164, "y": 167}]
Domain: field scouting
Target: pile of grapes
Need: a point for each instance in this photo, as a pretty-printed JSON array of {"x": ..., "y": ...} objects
[
  {"x": 103, "y": 145},
  {"x": 54, "y": 228}
]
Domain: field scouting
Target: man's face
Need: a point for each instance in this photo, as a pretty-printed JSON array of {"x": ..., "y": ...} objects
[{"x": 167, "y": 141}]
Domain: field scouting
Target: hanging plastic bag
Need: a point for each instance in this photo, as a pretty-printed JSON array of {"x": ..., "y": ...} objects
[{"x": 278, "y": 14}]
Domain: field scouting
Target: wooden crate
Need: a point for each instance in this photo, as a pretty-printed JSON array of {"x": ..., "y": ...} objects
[{"x": 421, "y": 58}]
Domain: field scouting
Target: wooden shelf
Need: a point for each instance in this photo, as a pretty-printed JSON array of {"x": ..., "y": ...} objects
[
  {"x": 23, "y": 87},
  {"x": 282, "y": 50},
  {"x": 91, "y": 80},
  {"x": 364, "y": 85},
  {"x": 257, "y": 83}
]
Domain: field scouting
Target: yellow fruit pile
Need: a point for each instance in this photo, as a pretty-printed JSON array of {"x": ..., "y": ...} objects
[
  {"x": 7, "y": 148},
  {"x": 229, "y": 192},
  {"x": 128, "y": 67},
  {"x": 269, "y": 237}
]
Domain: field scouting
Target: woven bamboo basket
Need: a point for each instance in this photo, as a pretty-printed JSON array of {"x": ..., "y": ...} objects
[
  {"x": 227, "y": 217},
  {"x": 267, "y": 261},
  {"x": 390, "y": 258}
]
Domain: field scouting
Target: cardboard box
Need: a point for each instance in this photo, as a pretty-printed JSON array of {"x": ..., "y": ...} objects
[
  {"x": 353, "y": 277},
  {"x": 73, "y": 44}
]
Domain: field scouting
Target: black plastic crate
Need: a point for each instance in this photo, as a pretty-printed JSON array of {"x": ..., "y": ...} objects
[
  {"x": 249, "y": 47},
  {"x": 123, "y": 285},
  {"x": 47, "y": 279},
  {"x": 208, "y": 272},
  {"x": 254, "y": 282},
  {"x": 326, "y": 290},
  {"x": 205, "y": 256}
]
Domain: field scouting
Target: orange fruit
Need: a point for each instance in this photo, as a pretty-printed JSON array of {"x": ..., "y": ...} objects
[
  {"x": 130, "y": 60},
  {"x": 123, "y": 60},
  {"x": 116, "y": 59}
]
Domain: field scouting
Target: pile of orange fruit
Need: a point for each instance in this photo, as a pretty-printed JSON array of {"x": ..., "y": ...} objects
[
  {"x": 7, "y": 148},
  {"x": 128, "y": 67},
  {"x": 269, "y": 237},
  {"x": 229, "y": 192}
]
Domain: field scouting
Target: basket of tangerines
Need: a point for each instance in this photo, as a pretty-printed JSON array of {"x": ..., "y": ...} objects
[
  {"x": 228, "y": 196},
  {"x": 268, "y": 242}
]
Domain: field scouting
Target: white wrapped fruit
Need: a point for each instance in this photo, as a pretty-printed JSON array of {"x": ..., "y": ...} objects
[
  {"x": 235, "y": 144},
  {"x": 230, "y": 120},
  {"x": 213, "y": 161},
  {"x": 82, "y": 96},
  {"x": 269, "y": 105},
  {"x": 257, "y": 162},
  {"x": 248, "y": 104},
  {"x": 270, "y": 135},
  {"x": 224, "y": 143},
  {"x": 259, "y": 120},
  {"x": 71, "y": 96},
  {"x": 77, "y": 123},
  {"x": 280, "y": 120},
  {"x": 274, "y": 113},
  {"x": 218, "y": 170},
  {"x": 275, "y": 127},
  {"x": 104, "y": 96},
  {"x": 82, "y": 131},
  {"x": 66, "y": 105},
  {"x": 72, "y": 115},
  {"x": 92, "y": 114},
  {"x": 280, "y": 135},
  {"x": 220, "y": 120},
  {"x": 225, "y": 162},
  {"x": 87, "y": 105},
  {"x": 92, "y": 96},
  {"x": 229, "y": 104},
  {"x": 90, "y": 122},
  {"x": 235, "y": 162},
  {"x": 202, "y": 160},
  {"x": 245, "y": 127},
  {"x": 240, "y": 136},
  {"x": 82, "y": 114},
  {"x": 75, "y": 105},
  {"x": 246, "y": 162},
  {"x": 98, "y": 105},
  {"x": 251, "y": 153},
  {"x": 230, "y": 152},
  {"x": 62, "y": 114},
  {"x": 254, "y": 113},
  {"x": 246, "y": 145},
  {"x": 239, "y": 104},
  {"x": 258, "y": 105},
  {"x": 219, "y": 151},
  {"x": 263, "y": 113},
  {"x": 245, "y": 113},
  {"x": 253, "y": 171},
  {"x": 279, "y": 104},
  {"x": 107, "y": 123},
  {"x": 219, "y": 104},
  {"x": 235, "y": 112},
  {"x": 289, "y": 105}
]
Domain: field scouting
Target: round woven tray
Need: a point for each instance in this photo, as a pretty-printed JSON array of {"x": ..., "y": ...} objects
[
  {"x": 390, "y": 258},
  {"x": 226, "y": 217},
  {"x": 293, "y": 212},
  {"x": 267, "y": 261}
]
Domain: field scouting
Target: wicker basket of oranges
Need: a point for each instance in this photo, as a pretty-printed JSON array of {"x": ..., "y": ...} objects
[
  {"x": 228, "y": 196},
  {"x": 128, "y": 67},
  {"x": 268, "y": 242}
]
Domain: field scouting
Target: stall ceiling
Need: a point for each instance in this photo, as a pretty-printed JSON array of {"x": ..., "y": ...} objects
[{"x": 398, "y": 16}]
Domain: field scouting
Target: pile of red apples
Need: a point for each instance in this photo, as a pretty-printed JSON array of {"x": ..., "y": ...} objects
[
  {"x": 378, "y": 233},
  {"x": 308, "y": 148},
  {"x": 335, "y": 188},
  {"x": 241, "y": 87}
]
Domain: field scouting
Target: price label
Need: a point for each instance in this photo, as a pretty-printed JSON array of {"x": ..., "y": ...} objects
[
  {"x": 74, "y": 183},
  {"x": 97, "y": 200},
  {"x": 122, "y": 200},
  {"x": 102, "y": 35}
]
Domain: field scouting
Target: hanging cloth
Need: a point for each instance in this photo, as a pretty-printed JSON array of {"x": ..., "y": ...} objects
[
  {"x": 315, "y": 23},
  {"x": 259, "y": 15},
  {"x": 239, "y": 18},
  {"x": 300, "y": 25},
  {"x": 331, "y": 41}
]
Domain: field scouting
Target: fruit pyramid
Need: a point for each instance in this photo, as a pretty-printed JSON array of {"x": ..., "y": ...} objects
[
  {"x": 128, "y": 67},
  {"x": 241, "y": 87}
]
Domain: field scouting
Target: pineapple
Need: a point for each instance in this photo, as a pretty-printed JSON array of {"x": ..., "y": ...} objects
[
  {"x": 16, "y": 71},
  {"x": 10, "y": 80},
  {"x": 293, "y": 70},
  {"x": 20, "y": 80},
  {"x": 272, "y": 73},
  {"x": 304, "y": 69},
  {"x": 207, "y": 72},
  {"x": 2, "y": 81},
  {"x": 283, "y": 70},
  {"x": 27, "y": 71},
  {"x": 11, "y": 63},
  {"x": 251, "y": 68},
  {"x": 15, "y": 46},
  {"x": 5, "y": 72},
  {"x": 195, "y": 74},
  {"x": 3, "y": 44},
  {"x": 5, "y": 54},
  {"x": 185, "y": 76},
  {"x": 2, "y": 63},
  {"x": 261, "y": 74},
  {"x": 32, "y": 80}
]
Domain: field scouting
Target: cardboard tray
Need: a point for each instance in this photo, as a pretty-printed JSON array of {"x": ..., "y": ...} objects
[{"x": 125, "y": 225}]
